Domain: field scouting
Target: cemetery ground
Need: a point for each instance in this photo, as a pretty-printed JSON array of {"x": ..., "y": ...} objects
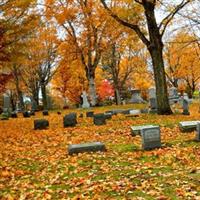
[{"x": 34, "y": 164}]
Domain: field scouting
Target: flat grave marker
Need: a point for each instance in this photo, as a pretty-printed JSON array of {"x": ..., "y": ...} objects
[
  {"x": 188, "y": 126},
  {"x": 86, "y": 147}
]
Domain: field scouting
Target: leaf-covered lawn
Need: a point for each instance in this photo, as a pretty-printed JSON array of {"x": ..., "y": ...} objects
[{"x": 35, "y": 164}]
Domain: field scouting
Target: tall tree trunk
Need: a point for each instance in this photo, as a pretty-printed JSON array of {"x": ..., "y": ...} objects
[
  {"x": 92, "y": 91},
  {"x": 156, "y": 51},
  {"x": 44, "y": 96},
  {"x": 117, "y": 96}
]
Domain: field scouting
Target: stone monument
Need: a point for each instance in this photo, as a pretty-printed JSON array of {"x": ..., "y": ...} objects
[{"x": 85, "y": 100}]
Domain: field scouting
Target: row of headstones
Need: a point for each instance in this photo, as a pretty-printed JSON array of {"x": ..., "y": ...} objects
[
  {"x": 70, "y": 120},
  {"x": 26, "y": 114},
  {"x": 150, "y": 135}
]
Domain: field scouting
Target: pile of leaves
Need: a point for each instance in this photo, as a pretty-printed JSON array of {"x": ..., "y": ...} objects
[{"x": 36, "y": 165}]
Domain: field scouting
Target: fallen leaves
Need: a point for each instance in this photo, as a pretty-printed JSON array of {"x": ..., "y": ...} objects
[{"x": 35, "y": 164}]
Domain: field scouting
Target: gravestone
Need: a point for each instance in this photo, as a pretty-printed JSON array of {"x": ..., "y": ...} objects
[
  {"x": 135, "y": 112},
  {"x": 144, "y": 111},
  {"x": 99, "y": 119},
  {"x": 185, "y": 107},
  {"x": 108, "y": 115},
  {"x": 40, "y": 124},
  {"x": 152, "y": 100},
  {"x": 198, "y": 132},
  {"x": 26, "y": 114},
  {"x": 13, "y": 115},
  {"x": 136, "y": 130},
  {"x": 5, "y": 116},
  {"x": 153, "y": 105},
  {"x": 90, "y": 114},
  {"x": 81, "y": 115},
  {"x": 6, "y": 103},
  {"x": 45, "y": 112},
  {"x": 32, "y": 112},
  {"x": 136, "y": 97},
  {"x": 151, "y": 138},
  {"x": 152, "y": 92},
  {"x": 70, "y": 120},
  {"x": 188, "y": 126},
  {"x": 173, "y": 95},
  {"x": 85, "y": 100},
  {"x": 86, "y": 147}
]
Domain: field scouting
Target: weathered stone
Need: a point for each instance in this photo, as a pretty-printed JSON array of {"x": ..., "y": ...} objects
[
  {"x": 136, "y": 130},
  {"x": 86, "y": 147},
  {"x": 32, "y": 113},
  {"x": 45, "y": 112},
  {"x": 5, "y": 116},
  {"x": 108, "y": 115},
  {"x": 13, "y": 115},
  {"x": 185, "y": 107},
  {"x": 26, "y": 114},
  {"x": 70, "y": 120},
  {"x": 198, "y": 132},
  {"x": 136, "y": 97},
  {"x": 85, "y": 100},
  {"x": 81, "y": 115},
  {"x": 40, "y": 124},
  {"x": 90, "y": 114},
  {"x": 151, "y": 138},
  {"x": 144, "y": 111},
  {"x": 188, "y": 126},
  {"x": 99, "y": 119}
]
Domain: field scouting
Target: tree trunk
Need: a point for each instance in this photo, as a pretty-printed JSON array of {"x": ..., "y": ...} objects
[
  {"x": 156, "y": 51},
  {"x": 92, "y": 91},
  {"x": 117, "y": 96},
  {"x": 44, "y": 96}
]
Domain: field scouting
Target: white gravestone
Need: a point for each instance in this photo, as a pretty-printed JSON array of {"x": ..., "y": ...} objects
[
  {"x": 85, "y": 100},
  {"x": 151, "y": 138}
]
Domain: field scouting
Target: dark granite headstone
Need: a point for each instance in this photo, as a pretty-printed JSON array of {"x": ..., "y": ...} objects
[
  {"x": 151, "y": 138},
  {"x": 198, "y": 132},
  {"x": 70, "y": 120},
  {"x": 26, "y": 114},
  {"x": 90, "y": 114},
  {"x": 13, "y": 115},
  {"x": 86, "y": 147},
  {"x": 99, "y": 119},
  {"x": 40, "y": 124},
  {"x": 45, "y": 112},
  {"x": 59, "y": 113},
  {"x": 32, "y": 113}
]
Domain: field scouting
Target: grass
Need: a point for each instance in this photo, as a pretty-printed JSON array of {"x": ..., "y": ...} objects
[{"x": 35, "y": 164}]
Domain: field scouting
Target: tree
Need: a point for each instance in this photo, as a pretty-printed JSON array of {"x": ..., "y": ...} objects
[
  {"x": 83, "y": 24},
  {"x": 153, "y": 42}
]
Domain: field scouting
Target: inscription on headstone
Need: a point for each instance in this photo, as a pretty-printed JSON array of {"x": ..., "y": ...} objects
[{"x": 151, "y": 138}]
